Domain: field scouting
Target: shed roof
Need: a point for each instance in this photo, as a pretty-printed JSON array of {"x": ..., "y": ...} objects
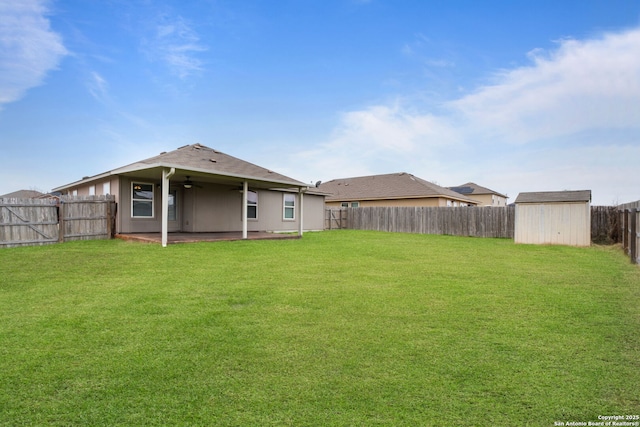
[
  {"x": 202, "y": 162},
  {"x": 554, "y": 196},
  {"x": 475, "y": 189},
  {"x": 390, "y": 186}
]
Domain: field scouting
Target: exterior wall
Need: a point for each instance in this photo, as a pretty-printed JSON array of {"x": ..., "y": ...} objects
[
  {"x": 428, "y": 202},
  {"x": 313, "y": 210},
  {"x": 218, "y": 208},
  {"x": 127, "y": 224},
  {"x": 553, "y": 223},
  {"x": 489, "y": 199},
  {"x": 207, "y": 208}
]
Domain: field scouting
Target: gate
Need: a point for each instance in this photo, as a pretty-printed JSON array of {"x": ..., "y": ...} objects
[{"x": 28, "y": 222}]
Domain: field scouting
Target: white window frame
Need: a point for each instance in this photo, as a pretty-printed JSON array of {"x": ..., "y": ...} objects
[
  {"x": 92, "y": 190},
  {"x": 250, "y": 203},
  {"x": 106, "y": 188},
  {"x": 153, "y": 199},
  {"x": 285, "y": 207}
]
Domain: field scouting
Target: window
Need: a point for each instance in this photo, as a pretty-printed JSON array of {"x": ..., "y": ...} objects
[
  {"x": 106, "y": 188},
  {"x": 352, "y": 204},
  {"x": 252, "y": 205},
  {"x": 141, "y": 200},
  {"x": 289, "y": 206},
  {"x": 173, "y": 212},
  {"x": 92, "y": 190}
]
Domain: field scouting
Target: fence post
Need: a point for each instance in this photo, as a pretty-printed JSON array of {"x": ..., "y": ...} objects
[
  {"x": 625, "y": 230},
  {"x": 108, "y": 215},
  {"x": 633, "y": 236},
  {"x": 60, "y": 221}
]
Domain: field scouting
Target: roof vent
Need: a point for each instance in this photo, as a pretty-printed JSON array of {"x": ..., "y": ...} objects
[
  {"x": 197, "y": 146},
  {"x": 213, "y": 160}
]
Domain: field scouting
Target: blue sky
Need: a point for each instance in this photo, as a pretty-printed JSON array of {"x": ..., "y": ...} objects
[{"x": 513, "y": 95}]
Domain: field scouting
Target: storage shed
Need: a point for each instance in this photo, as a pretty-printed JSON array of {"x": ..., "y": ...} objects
[{"x": 554, "y": 218}]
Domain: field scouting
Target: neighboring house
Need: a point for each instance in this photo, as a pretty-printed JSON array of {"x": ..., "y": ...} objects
[
  {"x": 23, "y": 194},
  {"x": 554, "y": 218},
  {"x": 199, "y": 189},
  {"x": 483, "y": 195},
  {"x": 395, "y": 189}
]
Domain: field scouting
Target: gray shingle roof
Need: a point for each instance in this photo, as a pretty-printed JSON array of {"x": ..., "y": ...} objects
[
  {"x": 22, "y": 194},
  {"x": 200, "y": 157},
  {"x": 473, "y": 188},
  {"x": 389, "y": 186},
  {"x": 197, "y": 159},
  {"x": 554, "y": 196}
]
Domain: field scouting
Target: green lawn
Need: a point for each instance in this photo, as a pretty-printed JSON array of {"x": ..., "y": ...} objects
[{"x": 344, "y": 328}]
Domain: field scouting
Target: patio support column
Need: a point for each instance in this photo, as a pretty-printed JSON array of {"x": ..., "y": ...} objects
[
  {"x": 166, "y": 174},
  {"x": 300, "y": 215},
  {"x": 245, "y": 190}
]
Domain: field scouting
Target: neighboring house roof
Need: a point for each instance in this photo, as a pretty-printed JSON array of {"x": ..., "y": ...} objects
[
  {"x": 554, "y": 196},
  {"x": 391, "y": 186},
  {"x": 471, "y": 188},
  {"x": 23, "y": 194},
  {"x": 199, "y": 163}
]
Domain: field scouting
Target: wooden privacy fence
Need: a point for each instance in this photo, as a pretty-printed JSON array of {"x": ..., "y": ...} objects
[
  {"x": 629, "y": 223},
  {"x": 456, "y": 221},
  {"x": 26, "y": 222}
]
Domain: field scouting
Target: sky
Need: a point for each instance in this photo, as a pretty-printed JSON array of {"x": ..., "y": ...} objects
[{"x": 513, "y": 95}]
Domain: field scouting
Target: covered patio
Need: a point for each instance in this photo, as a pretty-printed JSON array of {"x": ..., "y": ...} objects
[{"x": 205, "y": 237}]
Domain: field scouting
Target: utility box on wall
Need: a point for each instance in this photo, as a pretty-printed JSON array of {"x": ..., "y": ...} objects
[{"x": 554, "y": 218}]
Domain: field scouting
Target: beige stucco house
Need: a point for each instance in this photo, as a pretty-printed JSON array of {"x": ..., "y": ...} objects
[
  {"x": 483, "y": 195},
  {"x": 198, "y": 189},
  {"x": 395, "y": 189}
]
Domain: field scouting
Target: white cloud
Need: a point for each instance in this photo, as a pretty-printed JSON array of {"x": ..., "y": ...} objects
[
  {"x": 98, "y": 87},
  {"x": 29, "y": 49},
  {"x": 176, "y": 44},
  {"x": 569, "y": 120},
  {"x": 581, "y": 85}
]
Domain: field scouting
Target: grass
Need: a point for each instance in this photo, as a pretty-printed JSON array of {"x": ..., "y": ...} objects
[{"x": 338, "y": 328}]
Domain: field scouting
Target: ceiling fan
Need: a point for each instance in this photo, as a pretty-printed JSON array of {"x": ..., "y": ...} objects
[{"x": 188, "y": 183}]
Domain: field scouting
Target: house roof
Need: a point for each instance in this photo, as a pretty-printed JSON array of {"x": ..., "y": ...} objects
[
  {"x": 23, "y": 194},
  {"x": 390, "y": 186},
  {"x": 199, "y": 163},
  {"x": 554, "y": 196},
  {"x": 475, "y": 189}
]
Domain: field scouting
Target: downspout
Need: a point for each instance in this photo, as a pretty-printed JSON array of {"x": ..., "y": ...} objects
[
  {"x": 165, "y": 204},
  {"x": 301, "y": 216}
]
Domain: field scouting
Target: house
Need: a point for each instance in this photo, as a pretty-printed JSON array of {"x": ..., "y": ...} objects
[
  {"x": 483, "y": 195},
  {"x": 23, "y": 194},
  {"x": 395, "y": 189},
  {"x": 554, "y": 218},
  {"x": 198, "y": 189}
]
